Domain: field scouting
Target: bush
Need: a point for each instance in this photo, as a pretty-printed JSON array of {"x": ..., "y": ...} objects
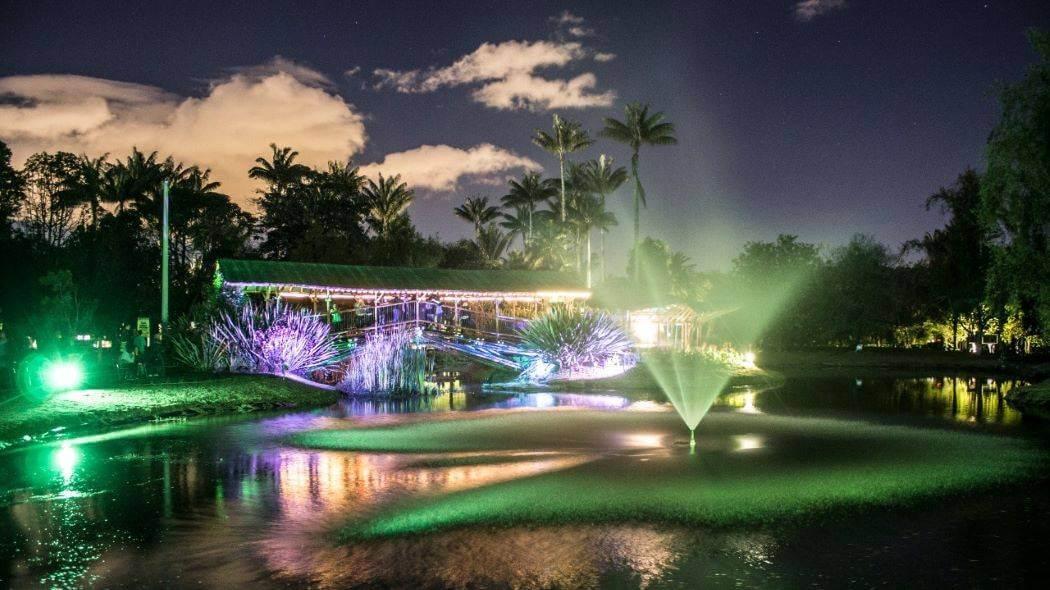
[
  {"x": 575, "y": 338},
  {"x": 274, "y": 339}
]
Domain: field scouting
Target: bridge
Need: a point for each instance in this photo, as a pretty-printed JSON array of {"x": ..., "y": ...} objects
[{"x": 487, "y": 338}]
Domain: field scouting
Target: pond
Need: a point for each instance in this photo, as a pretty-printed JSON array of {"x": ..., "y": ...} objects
[{"x": 232, "y": 503}]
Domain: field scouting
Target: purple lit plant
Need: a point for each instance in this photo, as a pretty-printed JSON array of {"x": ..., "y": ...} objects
[
  {"x": 275, "y": 339},
  {"x": 389, "y": 361}
]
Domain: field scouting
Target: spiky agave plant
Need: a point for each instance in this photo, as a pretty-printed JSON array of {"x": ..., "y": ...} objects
[
  {"x": 575, "y": 338},
  {"x": 275, "y": 339},
  {"x": 199, "y": 351}
]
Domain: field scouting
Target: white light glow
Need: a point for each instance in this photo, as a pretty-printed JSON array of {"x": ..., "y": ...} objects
[{"x": 748, "y": 442}]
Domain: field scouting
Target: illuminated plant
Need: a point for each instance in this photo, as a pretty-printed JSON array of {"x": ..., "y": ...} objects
[
  {"x": 575, "y": 339},
  {"x": 275, "y": 339},
  {"x": 200, "y": 351},
  {"x": 387, "y": 362}
]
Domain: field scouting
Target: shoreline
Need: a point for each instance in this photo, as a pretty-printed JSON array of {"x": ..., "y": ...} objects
[{"x": 24, "y": 420}]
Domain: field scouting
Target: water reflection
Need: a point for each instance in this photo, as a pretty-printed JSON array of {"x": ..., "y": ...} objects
[
  {"x": 963, "y": 399},
  {"x": 228, "y": 505}
]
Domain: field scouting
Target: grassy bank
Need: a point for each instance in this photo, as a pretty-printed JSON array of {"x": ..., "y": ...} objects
[
  {"x": 1033, "y": 400},
  {"x": 627, "y": 467},
  {"x": 88, "y": 409}
]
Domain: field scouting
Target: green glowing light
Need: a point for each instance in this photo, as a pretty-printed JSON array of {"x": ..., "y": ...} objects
[
  {"x": 63, "y": 375},
  {"x": 66, "y": 459}
]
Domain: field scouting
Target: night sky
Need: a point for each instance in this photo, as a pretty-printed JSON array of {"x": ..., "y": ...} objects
[{"x": 822, "y": 125}]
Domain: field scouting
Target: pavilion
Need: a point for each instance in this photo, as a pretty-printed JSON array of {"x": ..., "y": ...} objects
[{"x": 355, "y": 299}]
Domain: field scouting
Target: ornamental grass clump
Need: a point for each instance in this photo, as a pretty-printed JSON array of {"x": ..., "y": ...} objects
[
  {"x": 576, "y": 339},
  {"x": 275, "y": 339},
  {"x": 389, "y": 362},
  {"x": 199, "y": 351}
]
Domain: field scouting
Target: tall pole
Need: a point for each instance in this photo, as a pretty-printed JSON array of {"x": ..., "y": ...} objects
[{"x": 164, "y": 262}]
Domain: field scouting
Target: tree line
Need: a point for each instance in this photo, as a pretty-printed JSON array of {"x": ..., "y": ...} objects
[{"x": 79, "y": 236}]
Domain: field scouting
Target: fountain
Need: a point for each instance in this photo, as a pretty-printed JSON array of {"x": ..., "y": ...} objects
[{"x": 692, "y": 381}]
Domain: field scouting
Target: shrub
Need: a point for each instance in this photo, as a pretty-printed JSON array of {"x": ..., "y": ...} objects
[
  {"x": 574, "y": 338},
  {"x": 274, "y": 339},
  {"x": 197, "y": 350}
]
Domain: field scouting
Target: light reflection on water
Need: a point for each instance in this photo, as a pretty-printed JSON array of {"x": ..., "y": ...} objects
[
  {"x": 966, "y": 399},
  {"x": 226, "y": 506}
]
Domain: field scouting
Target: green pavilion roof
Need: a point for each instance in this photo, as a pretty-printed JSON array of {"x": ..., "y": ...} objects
[{"x": 314, "y": 276}]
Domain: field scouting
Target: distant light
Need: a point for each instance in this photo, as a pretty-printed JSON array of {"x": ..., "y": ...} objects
[
  {"x": 63, "y": 375},
  {"x": 749, "y": 443},
  {"x": 543, "y": 400},
  {"x": 645, "y": 329},
  {"x": 647, "y": 406},
  {"x": 749, "y": 404},
  {"x": 747, "y": 360},
  {"x": 643, "y": 440}
]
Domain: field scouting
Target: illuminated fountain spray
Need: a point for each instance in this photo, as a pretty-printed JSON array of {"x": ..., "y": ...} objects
[{"x": 692, "y": 381}]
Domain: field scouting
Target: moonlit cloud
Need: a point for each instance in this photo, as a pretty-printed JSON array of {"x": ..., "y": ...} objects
[
  {"x": 807, "y": 10},
  {"x": 508, "y": 76},
  {"x": 604, "y": 56},
  {"x": 443, "y": 167},
  {"x": 225, "y": 129},
  {"x": 566, "y": 18}
]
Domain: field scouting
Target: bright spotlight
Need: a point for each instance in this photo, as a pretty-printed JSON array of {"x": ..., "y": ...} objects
[
  {"x": 63, "y": 375},
  {"x": 747, "y": 360}
]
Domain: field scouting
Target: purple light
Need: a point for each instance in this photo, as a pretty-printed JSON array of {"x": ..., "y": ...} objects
[
  {"x": 386, "y": 362},
  {"x": 275, "y": 339}
]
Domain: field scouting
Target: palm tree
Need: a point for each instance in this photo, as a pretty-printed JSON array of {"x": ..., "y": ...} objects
[
  {"x": 529, "y": 192},
  {"x": 344, "y": 179},
  {"x": 517, "y": 223},
  {"x": 639, "y": 128},
  {"x": 550, "y": 248},
  {"x": 280, "y": 171},
  {"x": 142, "y": 175},
  {"x": 477, "y": 211},
  {"x": 587, "y": 213},
  {"x": 520, "y": 260},
  {"x": 493, "y": 244},
  {"x": 602, "y": 178},
  {"x": 568, "y": 137},
  {"x": 386, "y": 201},
  {"x": 87, "y": 186}
]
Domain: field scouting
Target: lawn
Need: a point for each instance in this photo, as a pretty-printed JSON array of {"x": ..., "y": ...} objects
[
  {"x": 748, "y": 468},
  {"x": 87, "y": 409}
]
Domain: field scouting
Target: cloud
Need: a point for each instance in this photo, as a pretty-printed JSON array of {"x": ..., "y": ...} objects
[
  {"x": 508, "y": 74},
  {"x": 581, "y": 31},
  {"x": 604, "y": 56},
  {"x": 807, "y": 10},
  {"x": 443, "y": 167},
  {"x": 566, "y": 18},
  {"x": 225, "y": 129}
]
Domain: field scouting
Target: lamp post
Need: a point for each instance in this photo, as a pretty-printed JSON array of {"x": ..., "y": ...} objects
[{"x": 164, "y": 261}]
